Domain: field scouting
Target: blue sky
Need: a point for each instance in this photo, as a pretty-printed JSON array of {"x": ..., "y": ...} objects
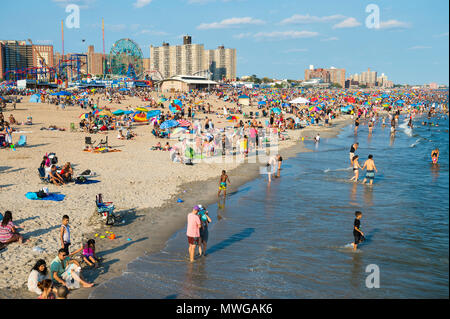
[{"x": 273, "y": 38}]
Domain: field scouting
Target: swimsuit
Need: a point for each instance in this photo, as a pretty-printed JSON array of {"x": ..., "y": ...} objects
[
  {"x": 370, "y": 174},
  {"x": 223, "y": 186}
]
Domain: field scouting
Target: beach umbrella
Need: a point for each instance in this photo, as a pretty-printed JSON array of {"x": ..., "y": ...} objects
[
  {"x": 105, "y": 113},
  {"x": 262, "y": 103},
  {"x": 173, "y": 109},
  {"x": 118, "y": 112},
  {"x": 299, "y": 100},
  {"x": 84, "y": 116},
  {"x": 184, "y": 123},
  {"x": 153, "y": 113},
  {"x": 142, "y": 109},
  {"x": 177, "y": 102},
  {"x": 275, "y": 110},
  {"x": 162, "y": 99},
  {"x": 2, "y": 98},
  {"x": 178, "y": 130},
  {"x": 128, "y": 112},
  {"x": 232, "y": 118},
  {"x": 315, "y": 108},
  {"x": 168, "y": 124}
]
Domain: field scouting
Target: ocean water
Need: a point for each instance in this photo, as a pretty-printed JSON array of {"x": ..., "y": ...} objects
[{"x": 291, "y": 239}]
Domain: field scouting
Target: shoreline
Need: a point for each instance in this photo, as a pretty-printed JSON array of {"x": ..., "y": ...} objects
[
  {"x": 240, "y": 175},
  {"x": 150, "y": 228}
]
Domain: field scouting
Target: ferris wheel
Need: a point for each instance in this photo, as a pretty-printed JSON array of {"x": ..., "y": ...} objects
[{"x": 126, "y": 59}]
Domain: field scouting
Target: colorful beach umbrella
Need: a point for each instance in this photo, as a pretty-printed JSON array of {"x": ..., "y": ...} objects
[
  {"x": 184, "y": 123},
  {"x": 84, "y": 116},
  {"x": 232, "y": 118},
  {"x": 169, "y": 124},
  {"x": 275, "y": 110},
  {"x": 315, "y": 108},
  {"x": 153, "y": 113}
]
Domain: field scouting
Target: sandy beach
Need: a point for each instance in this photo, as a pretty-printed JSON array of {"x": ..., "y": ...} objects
[{"x": 143, "y": 184}]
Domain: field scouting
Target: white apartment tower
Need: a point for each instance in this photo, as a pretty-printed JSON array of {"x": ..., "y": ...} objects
[{"x": 189, "y": 59}]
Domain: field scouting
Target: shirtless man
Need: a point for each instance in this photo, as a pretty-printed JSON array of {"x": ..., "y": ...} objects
[
  {"x": 370, "y": 167},
  {"x": 223, "y": 183}
]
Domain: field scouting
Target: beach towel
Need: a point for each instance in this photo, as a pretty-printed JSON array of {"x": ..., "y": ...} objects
[
  {"x": 51, "y": 197},
  {"x": 86, "y": 181}
]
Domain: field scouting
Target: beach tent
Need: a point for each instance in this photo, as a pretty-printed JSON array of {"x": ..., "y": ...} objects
[
  {"x": 169, "y": 124},
  {"x": 299, "y": 100},
  {"x": 36, "y": 98},
  {"x": 140, "y": 117}
]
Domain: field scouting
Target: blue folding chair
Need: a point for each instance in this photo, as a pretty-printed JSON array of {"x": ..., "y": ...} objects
[{"x": 22, "y": 141}]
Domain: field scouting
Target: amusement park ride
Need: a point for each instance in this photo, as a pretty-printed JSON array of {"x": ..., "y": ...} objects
[{"x": 124, "y": 63}]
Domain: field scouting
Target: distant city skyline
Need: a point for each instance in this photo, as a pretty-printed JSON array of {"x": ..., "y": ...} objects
[{"x": 278, "y": 40}]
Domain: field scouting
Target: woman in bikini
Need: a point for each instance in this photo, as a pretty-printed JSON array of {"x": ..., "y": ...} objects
[{"x": 356, "y": 168}]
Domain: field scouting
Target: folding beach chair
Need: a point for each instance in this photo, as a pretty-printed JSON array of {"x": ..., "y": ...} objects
[
  {"x": 44, "y": 179},
  {"x": 22, "y": 141},
  {"x": 88, "y": 141},
  {"x": 106, "y": 210},
  {"x": 103, "y": 143}
]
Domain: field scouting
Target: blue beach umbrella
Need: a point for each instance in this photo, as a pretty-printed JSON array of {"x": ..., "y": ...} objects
[
  {"x": 276, "y": 110},
  {"x": 169, "y": 124},
  {"x": 153, "y": 113}
]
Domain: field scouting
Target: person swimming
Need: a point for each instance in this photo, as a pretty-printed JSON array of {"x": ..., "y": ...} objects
[{"x": 435, "y": 155}]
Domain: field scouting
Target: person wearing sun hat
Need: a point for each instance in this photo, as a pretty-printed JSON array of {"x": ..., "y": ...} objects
[{"x": 193, "y": 231}]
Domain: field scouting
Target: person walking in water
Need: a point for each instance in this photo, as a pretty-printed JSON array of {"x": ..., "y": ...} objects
[
  {"x": 357, "y": 233},
  {"x": 370, "y": 167},
  {"x": 356, "y": 168},
  {"x": 223, "y": 183},
  {"x": 353, "y": 149},
  {"x": 193, "y": 231}
]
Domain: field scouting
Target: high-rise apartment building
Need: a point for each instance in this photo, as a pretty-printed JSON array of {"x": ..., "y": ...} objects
[
  {"x": 337, "y": 76},
  {"x": 15, "y": 55},
  {"x": 95, "y": 61},
  {"x": 317, "y": 74},
  {"x": 368, "y": 78},
  {"x": 190, "y": 59}
]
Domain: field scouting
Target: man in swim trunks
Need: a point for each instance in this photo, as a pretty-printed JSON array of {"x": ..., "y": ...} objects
[
  {"x": 193, "y": 231},
  {"x": 370, "y": 167},
  {"x": 353, "y": 149},
  {"x": 223, "y": 183}
]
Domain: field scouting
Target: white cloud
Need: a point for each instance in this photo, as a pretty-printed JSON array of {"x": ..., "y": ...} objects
[
  {"x": 141, "y": 3},
  {"x": 286, "y": 34},
  {"x": 441, "y": 35},
  {"x": 230, "y": 23},
  {"x": 347, "y": 23},
  {"x": 419, "y": 47},
  {"x": 302, "y": 19},
  {"x": 394, "y": 24},
  {"x": 330, "y": 39}
]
